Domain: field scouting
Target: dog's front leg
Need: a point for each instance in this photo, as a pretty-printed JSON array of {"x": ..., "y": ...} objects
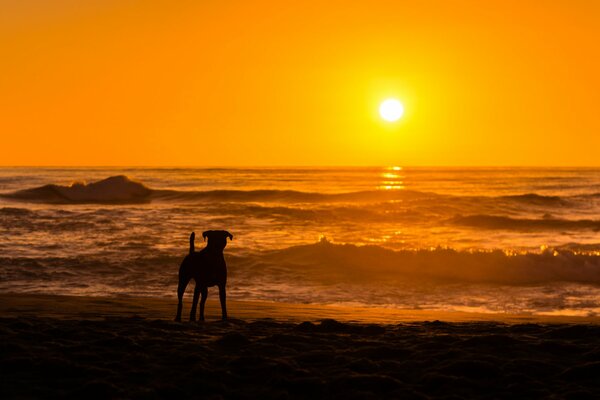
[
  {"x": 195, "y": 303},
  {"x": 223, "y": 299},
  {"x": 204, "y": 293}
]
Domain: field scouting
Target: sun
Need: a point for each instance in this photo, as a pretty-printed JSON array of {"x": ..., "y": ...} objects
[{"x": 391, "y": 110}]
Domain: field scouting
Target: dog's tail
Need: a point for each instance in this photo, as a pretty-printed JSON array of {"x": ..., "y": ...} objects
[{"x": 192, "y": 237}]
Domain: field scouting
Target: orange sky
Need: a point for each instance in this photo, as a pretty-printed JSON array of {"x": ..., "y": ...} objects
[{"x": 125, "y": 82}]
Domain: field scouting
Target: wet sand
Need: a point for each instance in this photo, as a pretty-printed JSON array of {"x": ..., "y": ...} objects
[{"x": 65, "y": 346}]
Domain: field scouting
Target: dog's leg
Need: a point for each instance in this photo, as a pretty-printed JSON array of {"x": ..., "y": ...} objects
[
  {"x": 195, "y": 303},
  {"x": 223, "y": 299},
  {"x": 204, "y": 293},
  {"x": 183, "y": 282}
]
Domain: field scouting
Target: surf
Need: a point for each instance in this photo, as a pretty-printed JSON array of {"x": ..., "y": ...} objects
[{"x": 115, "y": 189}]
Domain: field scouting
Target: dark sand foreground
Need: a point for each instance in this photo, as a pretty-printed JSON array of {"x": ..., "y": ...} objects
[{"x": 60, "y": 346}]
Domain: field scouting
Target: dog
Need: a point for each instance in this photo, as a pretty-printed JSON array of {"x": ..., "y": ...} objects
[{"x": 207, "y": 267}]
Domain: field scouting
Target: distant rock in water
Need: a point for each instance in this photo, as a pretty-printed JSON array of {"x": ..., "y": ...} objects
[{"x": 115, "y": 189}]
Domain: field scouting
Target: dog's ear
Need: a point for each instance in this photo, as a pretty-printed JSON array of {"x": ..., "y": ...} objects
[
  {"x": 229, "y": 235},
  {"x": 205, "y": 234}
]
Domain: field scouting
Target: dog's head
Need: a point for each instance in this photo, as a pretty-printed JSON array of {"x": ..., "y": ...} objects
[{"x": 217, "y": 239}]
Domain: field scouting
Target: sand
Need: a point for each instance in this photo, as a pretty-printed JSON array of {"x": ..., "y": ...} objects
[{"x": 81, "y": 347}]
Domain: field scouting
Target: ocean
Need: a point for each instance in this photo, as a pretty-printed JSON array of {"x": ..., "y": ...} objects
[{"x": 468, "y": 239}]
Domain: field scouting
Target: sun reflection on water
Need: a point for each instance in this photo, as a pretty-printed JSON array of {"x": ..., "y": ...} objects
[
  {"x": 392, "y": 180},
  {"x": 391, "y": 187}
]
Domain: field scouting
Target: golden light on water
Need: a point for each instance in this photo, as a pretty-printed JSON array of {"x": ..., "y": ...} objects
[
  {"x": 392, "y": 180},
  {"x": 391, "y": 187},
  {"x": 390, "y": 175}
]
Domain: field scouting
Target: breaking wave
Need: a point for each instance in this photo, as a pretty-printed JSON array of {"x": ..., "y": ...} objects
[
  {"x": 337, "y": 262},
  {"x": 273, "y": 274},
  {"x": 115, "y": 189}
]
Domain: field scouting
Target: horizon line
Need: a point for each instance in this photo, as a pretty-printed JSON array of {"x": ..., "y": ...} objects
[{"x": 174, "y": 166}]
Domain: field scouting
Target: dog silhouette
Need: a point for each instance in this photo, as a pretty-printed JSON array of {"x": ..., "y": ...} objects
[{"x": 208, "y": 268}]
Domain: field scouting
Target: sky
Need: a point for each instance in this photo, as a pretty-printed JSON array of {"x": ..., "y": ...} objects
[{"x": 258, "y": 83}]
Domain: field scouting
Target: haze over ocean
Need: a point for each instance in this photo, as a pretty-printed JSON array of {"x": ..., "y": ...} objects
[{"x": 470, "y": 239}]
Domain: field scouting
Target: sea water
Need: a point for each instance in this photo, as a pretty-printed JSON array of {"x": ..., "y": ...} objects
[{"x": 470, "y": 239}]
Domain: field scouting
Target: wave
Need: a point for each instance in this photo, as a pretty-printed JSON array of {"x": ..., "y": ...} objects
[
  {"x": 523, "y": 224},
  {"x": 115, "y": 189},
  {"x": 122, "y": 190},
  {"x": 289, "y": 196},
  {"x": 274, "y": 195},
  {"x": 15, "y": 212},
  {"x": 350, "y": 263},
  {"x": 536, "y": 199},
  {"x": 321, "y": 271}
]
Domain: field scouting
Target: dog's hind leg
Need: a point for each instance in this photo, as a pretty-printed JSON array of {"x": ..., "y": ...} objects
[
  {"x": 223, "y": 300},
  {"x": 195, "y": 303},
  {"x": 204, "y": 295},
  {"x": 183, "y": 282}
]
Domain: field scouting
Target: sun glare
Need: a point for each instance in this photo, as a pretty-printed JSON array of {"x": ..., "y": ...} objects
[{"x": 391, "y": 110}]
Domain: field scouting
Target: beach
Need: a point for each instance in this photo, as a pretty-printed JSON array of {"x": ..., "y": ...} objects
[
  {"x": 99, "y": 347},
  {"x": 451, "y": 283}
]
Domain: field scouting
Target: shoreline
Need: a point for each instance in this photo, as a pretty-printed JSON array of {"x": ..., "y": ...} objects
[{"x": 89, "y": 307}]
